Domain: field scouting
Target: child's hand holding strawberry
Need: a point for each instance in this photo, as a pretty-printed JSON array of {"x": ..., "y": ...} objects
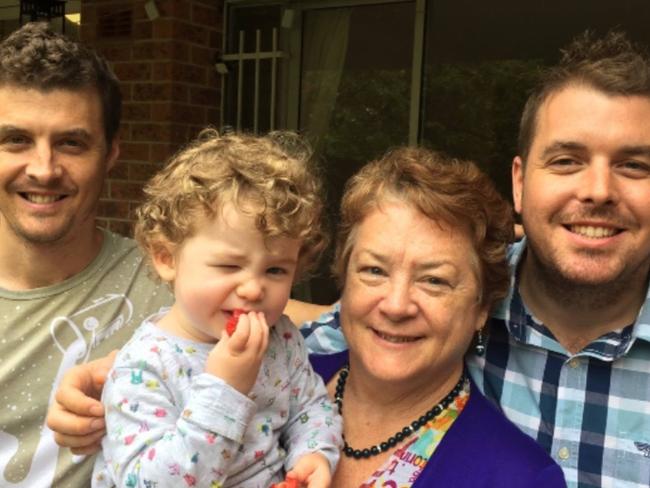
[
  {"x": 236, "y": 358},
  {"x": 311, "y": 471}
]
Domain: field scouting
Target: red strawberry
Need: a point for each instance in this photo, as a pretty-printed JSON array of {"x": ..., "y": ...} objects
[
  {"x": 291, "y": 483},
  {"x": 231, "y": 325},
  {"x": 287, "y": 483}
]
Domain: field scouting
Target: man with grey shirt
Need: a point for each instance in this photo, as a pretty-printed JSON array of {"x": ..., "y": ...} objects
[{"x": 69, "y": 291}]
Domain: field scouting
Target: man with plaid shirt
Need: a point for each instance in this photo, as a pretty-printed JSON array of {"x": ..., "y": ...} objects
[{"x": 568, "y": 356}]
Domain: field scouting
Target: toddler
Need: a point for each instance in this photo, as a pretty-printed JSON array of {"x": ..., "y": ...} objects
[{"x": 229, "y": 224}]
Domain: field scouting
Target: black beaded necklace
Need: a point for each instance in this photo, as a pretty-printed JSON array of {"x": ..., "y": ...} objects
[{"x": 399, "y": 436}]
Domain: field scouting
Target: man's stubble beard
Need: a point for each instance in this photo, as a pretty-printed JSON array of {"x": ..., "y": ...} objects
[{"x": 570, "y": 291}]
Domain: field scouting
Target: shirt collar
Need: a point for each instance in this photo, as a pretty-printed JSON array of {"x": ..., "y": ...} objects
[{"x": 523, "y": 327}]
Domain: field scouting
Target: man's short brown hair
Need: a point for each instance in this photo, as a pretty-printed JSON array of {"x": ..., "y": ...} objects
[
  {"x": 611, "y": 64},
  {"x": 35, "y": 56}
]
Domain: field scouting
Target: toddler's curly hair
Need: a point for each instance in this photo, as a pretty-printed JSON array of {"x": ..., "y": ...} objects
[{"x": 272, "y": 178}]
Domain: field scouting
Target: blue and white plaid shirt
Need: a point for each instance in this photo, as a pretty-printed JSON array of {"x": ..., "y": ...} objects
[{"x": 590, "y": 411}]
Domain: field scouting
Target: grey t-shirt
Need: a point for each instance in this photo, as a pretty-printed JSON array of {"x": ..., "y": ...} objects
[{"x": 44, "y": 332}]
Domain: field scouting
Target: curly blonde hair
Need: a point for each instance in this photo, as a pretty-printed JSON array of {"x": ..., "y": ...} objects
[
  {"x": 444, "y": 189},
  {"x": 271, "y": 178}
]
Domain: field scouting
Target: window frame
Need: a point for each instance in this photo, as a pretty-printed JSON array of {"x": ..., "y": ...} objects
[{"x": 291, "y": 45}]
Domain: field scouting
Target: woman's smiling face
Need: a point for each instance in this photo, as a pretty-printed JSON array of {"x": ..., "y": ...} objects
[{"x": 411, "y": 301}]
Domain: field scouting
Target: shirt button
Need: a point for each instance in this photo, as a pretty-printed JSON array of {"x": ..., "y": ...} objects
[
  {"x": 574, "y": 363},
  {"x": 564, "y": 453}
]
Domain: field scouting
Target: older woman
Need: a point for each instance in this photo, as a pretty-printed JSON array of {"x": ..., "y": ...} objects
[{"x": 420, "y": 260}]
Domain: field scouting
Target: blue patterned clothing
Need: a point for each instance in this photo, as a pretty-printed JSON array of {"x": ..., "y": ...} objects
[
  {"x": 170, "y": 424},
  {"x": 590, "y": 410}
]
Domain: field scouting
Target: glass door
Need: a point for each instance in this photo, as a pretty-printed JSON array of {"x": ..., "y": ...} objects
[{"x": 355, "y": 86}]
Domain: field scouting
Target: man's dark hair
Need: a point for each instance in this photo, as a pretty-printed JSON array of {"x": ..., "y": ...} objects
[
  {"x": 611, "y": 64},
  {"x": 36, "y": 57}
]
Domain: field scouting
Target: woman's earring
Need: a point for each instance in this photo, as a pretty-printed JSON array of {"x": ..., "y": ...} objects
[{"x": 480, "y": 342}]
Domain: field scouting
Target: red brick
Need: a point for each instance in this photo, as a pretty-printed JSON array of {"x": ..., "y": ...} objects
[
  {"x": 205, "y": 15},
  {"x": 134, "y": 151},
  {"x": 119, "y": 171},
  {"x": 133, "y": 71},
  {"x": 162, "y": 71},
  {"x": 150, "y": 132},
  {"x": 193, "y": 131},
  {"x": 125, "y": 131},
  {"x": 143, "y": 50},
  {"x": 180, "y": 50},
  {"x": 163, "y": 28},
  {"x": 126, "y": 190},
  {"x": 213, "y": 116},
  {"x": 207, "y": 97},
  {"x": 159, "y": 50},
  {"x": 180, "y": 93},
  {"x": 203, "y": 56},
  {"x": 191, "y": 33},
  {"x": 174, "y": 8},
  {"x": 113, "y": 208},
  {"x": 161, "y": 112},
  {"x": 160, "y": 153},
  {"x": 142, "y": 30},
  {"x": 126, "y": 89},
  {"x": 133, "y": 207},
  {"x": 88, "y": 13},
  {"x": 136, "y": 111},
  {"x": 88, "y": 33},
  {"x": 213, "y": 78},
  {"x": 189, "y": 73},
  {"x": 151, "y": 91},
  {"x": 179, "y": 133},
  {"x": 116, "y": 51},
  {"x": 142, "y": 171},
  {"x": 216, "y": 39},
  {"x": 192, "y": 114}
]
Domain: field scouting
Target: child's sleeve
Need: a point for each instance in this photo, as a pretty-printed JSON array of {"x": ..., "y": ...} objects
[
  {"x": 155, "y": 440},
  {"x": 314, "y": 424}
]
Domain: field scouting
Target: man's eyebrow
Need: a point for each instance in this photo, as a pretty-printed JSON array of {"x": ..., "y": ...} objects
[
  {"x": 9, "y": 129},
  {"x": 76, "y": 132},
  {"x": 81, "y": 133},
  {"x": 559, "y": 146},
  {"x": 640, "y": 150}
]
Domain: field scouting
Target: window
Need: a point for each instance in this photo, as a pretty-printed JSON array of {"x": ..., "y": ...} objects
[{"x": 358, "y": 77}]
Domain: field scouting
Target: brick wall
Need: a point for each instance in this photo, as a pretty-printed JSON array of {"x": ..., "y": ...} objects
[{"x": 169, "y": 86}]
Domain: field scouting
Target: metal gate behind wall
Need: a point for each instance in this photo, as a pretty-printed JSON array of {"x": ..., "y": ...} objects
[{"x": 237, "y": 61}]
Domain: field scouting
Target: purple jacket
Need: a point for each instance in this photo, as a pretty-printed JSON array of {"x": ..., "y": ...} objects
[{"x": 481, "y": 449}]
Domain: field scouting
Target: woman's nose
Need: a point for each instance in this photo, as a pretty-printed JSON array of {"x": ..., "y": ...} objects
[{"x": 397, "y": 302}]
